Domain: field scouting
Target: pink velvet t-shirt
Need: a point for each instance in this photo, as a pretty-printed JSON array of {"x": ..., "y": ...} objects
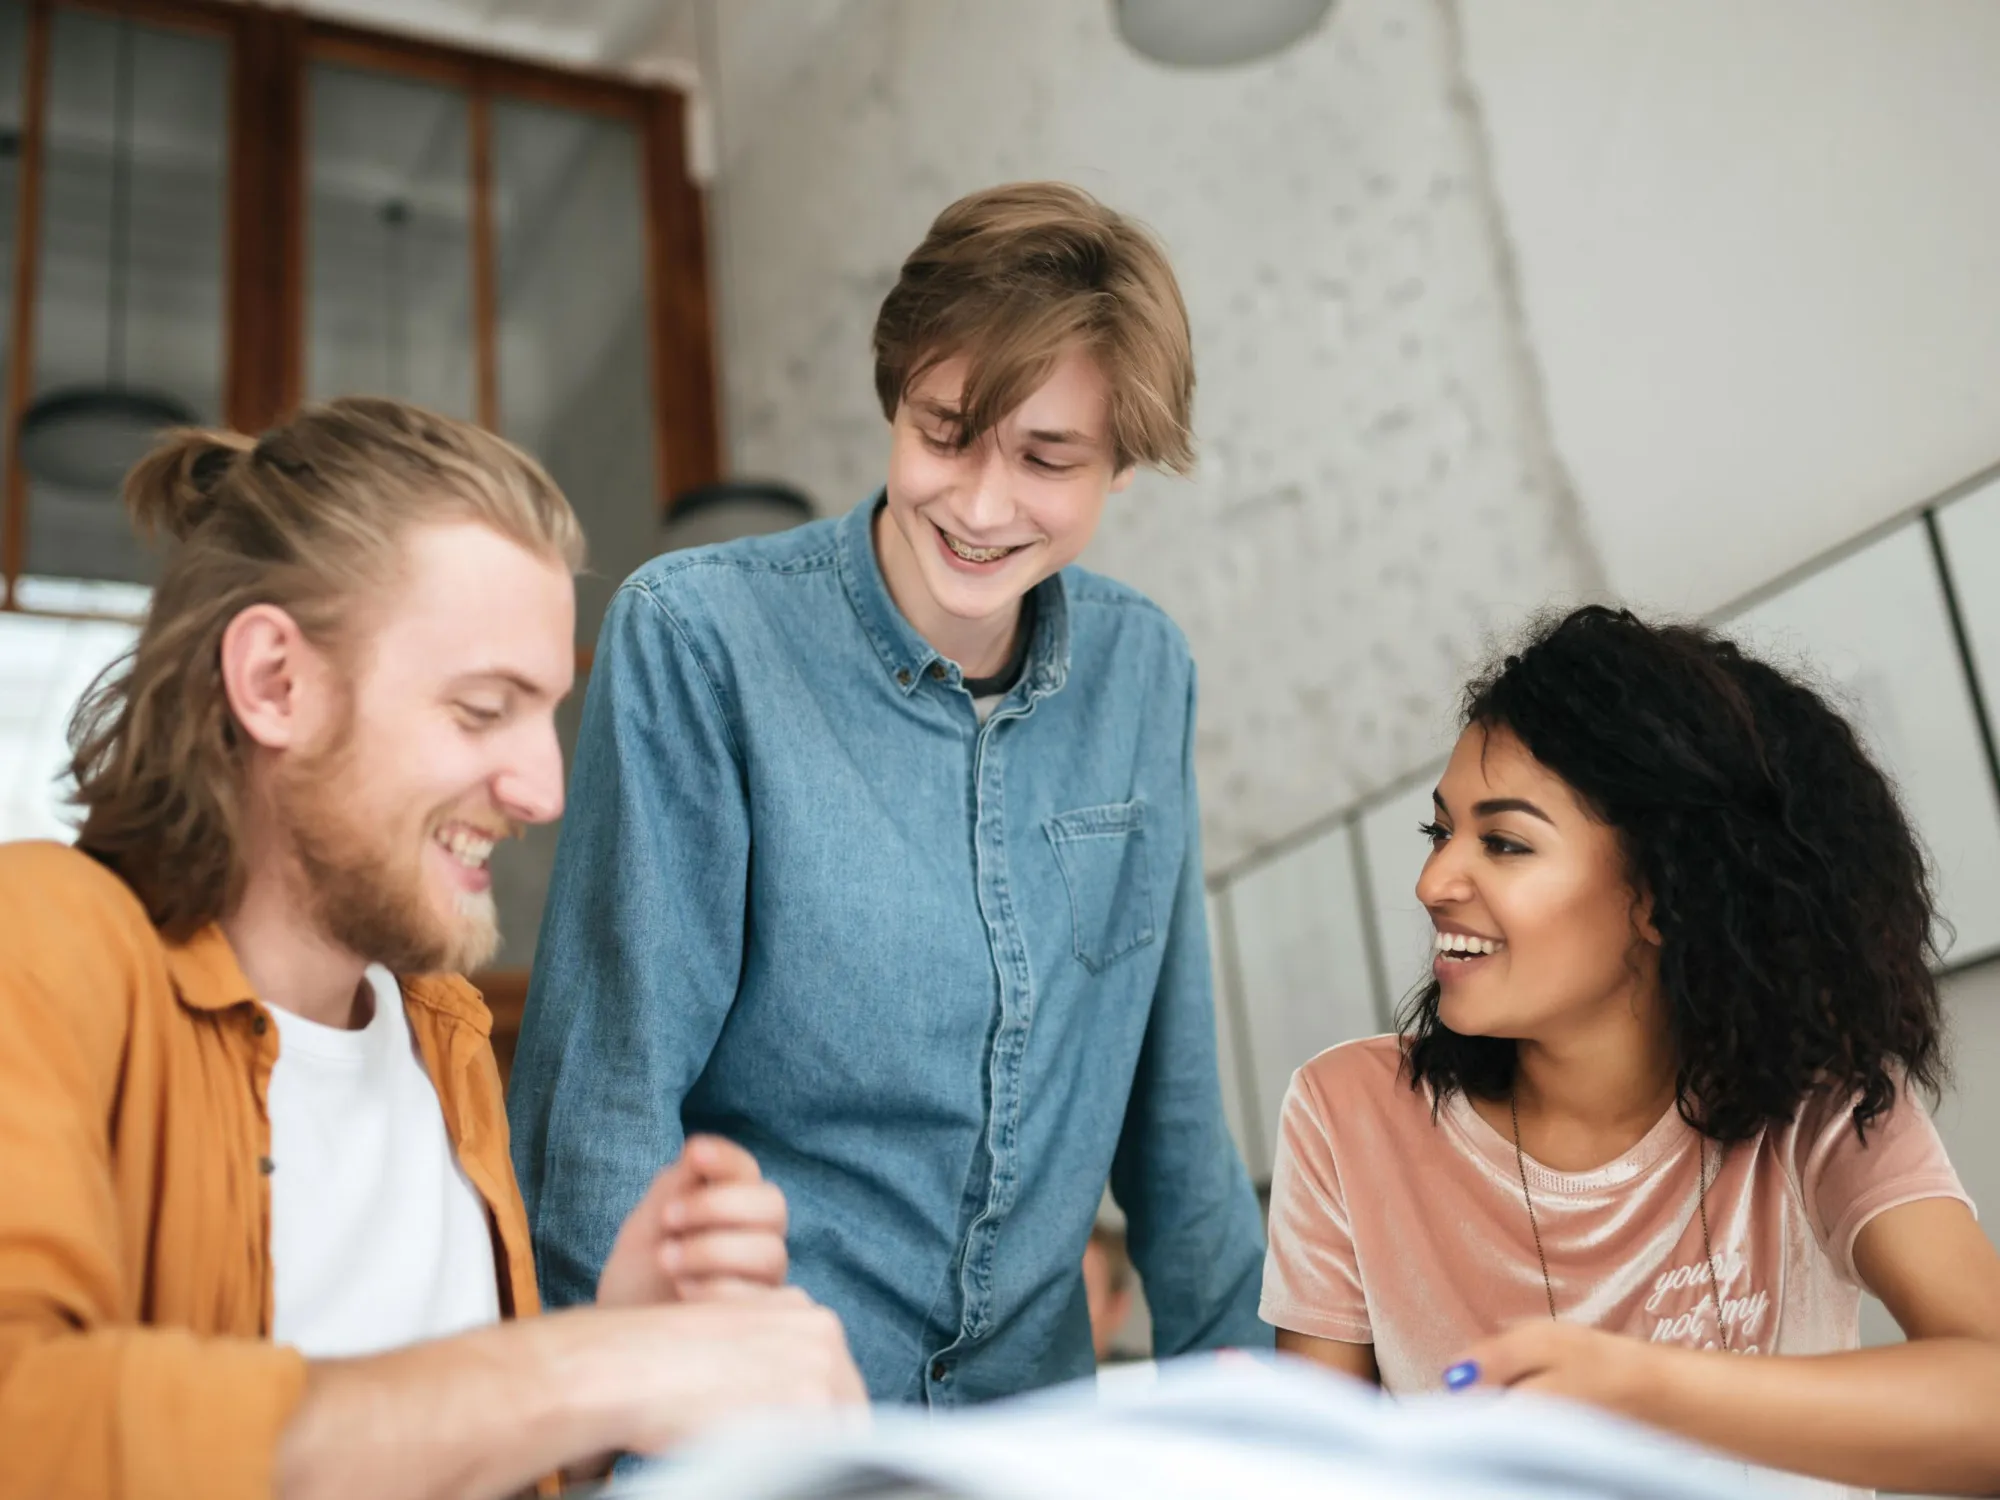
[{"x": 1393, "y": 1229}]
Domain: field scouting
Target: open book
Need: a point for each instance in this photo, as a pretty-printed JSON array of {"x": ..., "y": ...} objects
[{"x": 1220, "y": 1425}]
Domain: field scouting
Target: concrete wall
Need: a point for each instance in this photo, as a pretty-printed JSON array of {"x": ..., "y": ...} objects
[{"x": 1375, "y": 493}]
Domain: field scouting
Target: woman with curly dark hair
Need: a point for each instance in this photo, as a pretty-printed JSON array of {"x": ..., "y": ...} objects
[{"x": 1659, "y": 1102}]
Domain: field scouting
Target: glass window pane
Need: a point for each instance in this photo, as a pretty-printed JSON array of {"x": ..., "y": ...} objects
[
  {"x": 13, "y": 85},
  {"x": 575, "y": 368},
  {"x": 129, "y": 285},
  {"x": 389, "y": 241},
  {"x": 103, "y": 597},
  {"x": 45, "y": 666}
]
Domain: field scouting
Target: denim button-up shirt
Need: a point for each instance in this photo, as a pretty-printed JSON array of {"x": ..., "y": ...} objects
[{"x": 942, "y": 978}]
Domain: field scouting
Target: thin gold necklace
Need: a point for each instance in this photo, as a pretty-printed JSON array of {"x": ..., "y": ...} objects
[{"x": 1701, "y": 1204}]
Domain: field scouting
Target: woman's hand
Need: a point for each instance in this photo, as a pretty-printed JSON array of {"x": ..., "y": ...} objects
[
  {"x": 709, "y": 1228},
  {"x": 1915, "y": 1417},
  {"x": 1610, "y": 1370}
]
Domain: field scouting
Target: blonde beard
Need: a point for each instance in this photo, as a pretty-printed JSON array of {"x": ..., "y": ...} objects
[
  {"x": 360, "y": 893},
  {"x": 479, "y": 936}
]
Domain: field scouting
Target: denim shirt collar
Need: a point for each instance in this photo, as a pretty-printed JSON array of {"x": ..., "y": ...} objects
[{"x": 905, "y": 654}]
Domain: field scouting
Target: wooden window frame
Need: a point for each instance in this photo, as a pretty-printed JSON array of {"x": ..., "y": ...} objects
[{"x": 265, "y": 233}]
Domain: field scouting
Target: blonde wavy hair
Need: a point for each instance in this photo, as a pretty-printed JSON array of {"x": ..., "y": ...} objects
[{"x": 309, "y": 517}]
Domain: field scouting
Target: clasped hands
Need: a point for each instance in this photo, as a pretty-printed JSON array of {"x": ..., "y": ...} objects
[
  {"x": 701, "y": 1260},
  {"x": 709, "y": 1229}
]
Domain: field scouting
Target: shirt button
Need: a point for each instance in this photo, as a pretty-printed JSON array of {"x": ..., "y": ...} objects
[
  {"x": 260, "y": 1023},
  {"x": 937, "y": 671},
  {"x": 940, "y": 1369},
  {"x": 266, "y": 1165},
  {"x": 903, "y": 676}
]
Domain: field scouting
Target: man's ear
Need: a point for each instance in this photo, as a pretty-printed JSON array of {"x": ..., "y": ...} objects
[
  {"x": 269, "y": 670},
  {"x": 1123, "y": 478}
]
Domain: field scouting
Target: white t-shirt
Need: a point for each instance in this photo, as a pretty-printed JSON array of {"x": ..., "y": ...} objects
[{"x": 377, "y": 1238}]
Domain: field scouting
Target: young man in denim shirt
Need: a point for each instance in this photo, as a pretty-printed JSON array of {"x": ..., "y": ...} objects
[{"x": 882, "y": 854}]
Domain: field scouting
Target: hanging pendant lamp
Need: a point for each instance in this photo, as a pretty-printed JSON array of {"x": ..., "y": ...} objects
[
  {"x": 732, "y": 508},
  {"x": 1215, "y": 33},
  {"x": 84, "y": 437}
]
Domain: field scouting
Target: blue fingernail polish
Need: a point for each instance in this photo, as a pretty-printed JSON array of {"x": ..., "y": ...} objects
[{"x": 1461, "y": 1375}]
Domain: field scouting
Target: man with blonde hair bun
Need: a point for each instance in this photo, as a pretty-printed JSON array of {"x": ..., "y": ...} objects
[{"x": 258, "y": 1229}]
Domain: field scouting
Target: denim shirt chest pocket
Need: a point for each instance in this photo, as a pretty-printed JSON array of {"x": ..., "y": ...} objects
[{"x": 1101, "y": 852}]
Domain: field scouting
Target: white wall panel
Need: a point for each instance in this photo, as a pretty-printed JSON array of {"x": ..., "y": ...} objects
[
  {"x": 1874, "y": 629},
  {"x": 1970, "y": 528},
  {"x": 1302, "y": 955},
  {"x": 1395, "y": 854},
  {"x": 1228, "y": 1051}
]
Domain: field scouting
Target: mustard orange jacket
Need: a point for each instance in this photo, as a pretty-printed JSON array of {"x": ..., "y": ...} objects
[{"x": 135, "y": 1192}]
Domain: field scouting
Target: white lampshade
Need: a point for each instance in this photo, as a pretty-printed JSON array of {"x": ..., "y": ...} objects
[{"x": 1215, "y": 33}]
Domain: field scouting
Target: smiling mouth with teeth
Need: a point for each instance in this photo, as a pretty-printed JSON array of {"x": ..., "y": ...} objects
[
  {"x": 974, "y": 554},
  {"x": 468, "y": 846},
  {"x": 1461, "y": 946}
]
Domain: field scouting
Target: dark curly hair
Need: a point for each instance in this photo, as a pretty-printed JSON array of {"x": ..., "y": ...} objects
[{"x": 1791, "y": 895}]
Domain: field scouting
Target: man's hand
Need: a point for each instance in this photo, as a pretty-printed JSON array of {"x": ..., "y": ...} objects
[
  {"x": 1609, "y": 1370},
  {"x": 709, "y": 1228},
  {"x": 677, "y": 1370},
  {"x": 480, "y": 1415}
]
